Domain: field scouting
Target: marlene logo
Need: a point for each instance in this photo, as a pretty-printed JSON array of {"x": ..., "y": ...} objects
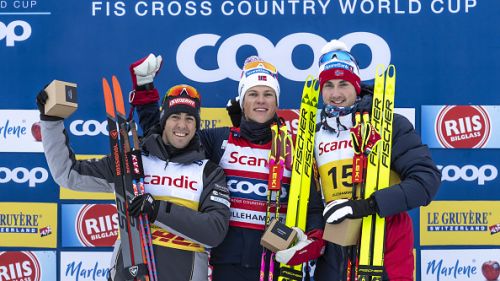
[
  {"x": 18, "y": 266},
  {"x": 462, "y": 126},
  {"x": 97, "y": 225}
]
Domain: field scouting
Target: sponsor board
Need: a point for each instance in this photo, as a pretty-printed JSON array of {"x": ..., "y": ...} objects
[
  {"x": 28, "y": 265},
  {"x": 28, "y": 224},
  {"x": 470, "y": 173},
  {"x": 66, "y": 193},
  {"x": 81, "y": 266},
  {"x": 467, "y": 174},
  {"x": 89, "y": 225},
  {"x": 26, "y": 177},
  {"x": 214, "y": 118},
  {"x": 460, "y": 265},
  {"x": 280, "y": 54},
  {"x": 8, "y": 29},
  {"x": 460, "y": 126},
  {"x": 20, "y": 131},
  {"x": 21, "y": 175},
  {"x": 460, "y": 223}
]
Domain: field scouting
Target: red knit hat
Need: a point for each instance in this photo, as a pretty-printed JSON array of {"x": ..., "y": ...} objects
[{"x": 337, "y": 63}]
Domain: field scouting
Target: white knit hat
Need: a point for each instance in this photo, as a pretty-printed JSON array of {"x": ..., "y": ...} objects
[{"x": 257, "y": 72}]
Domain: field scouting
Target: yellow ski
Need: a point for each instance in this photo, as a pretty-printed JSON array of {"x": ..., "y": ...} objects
[
  {"x": 298, "y": 196},
  {"x": 371, "y": 255}
]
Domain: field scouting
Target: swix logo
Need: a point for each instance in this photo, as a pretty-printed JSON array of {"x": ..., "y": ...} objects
[
  {"x": 179, "y": 182},
  {"x": 22, "y": 175},
  {"x": 325, "y": 147},
  {"x": 482, "y": 174},
  {"x": 244, "y": 160},
  {"x": 280, "y": 54},
  {"x": 15, "y": 31},
  {"x": 97, "y": 225},
  {"x": 19, "y": 266},
  {"x": 247, "y": 187},
  {"x": 464, "y": 126}
]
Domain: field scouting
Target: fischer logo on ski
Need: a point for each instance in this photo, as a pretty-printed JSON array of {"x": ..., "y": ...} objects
[{"x": 298, "y": 197}]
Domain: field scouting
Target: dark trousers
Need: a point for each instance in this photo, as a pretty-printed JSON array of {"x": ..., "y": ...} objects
[{"x": 236, "y": 272}]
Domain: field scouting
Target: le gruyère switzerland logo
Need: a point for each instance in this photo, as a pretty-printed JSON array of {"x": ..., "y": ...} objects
[
  {"x": 97, "y": 225},
  {"x": 463, "y": 126},
  {"x": 19, "y": 266}
]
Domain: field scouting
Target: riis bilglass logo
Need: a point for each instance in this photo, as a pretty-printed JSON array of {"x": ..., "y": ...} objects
[{"x": 460, "y": 126}]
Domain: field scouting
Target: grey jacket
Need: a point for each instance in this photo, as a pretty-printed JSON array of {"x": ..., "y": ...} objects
[{"x": 206, "y": 226}]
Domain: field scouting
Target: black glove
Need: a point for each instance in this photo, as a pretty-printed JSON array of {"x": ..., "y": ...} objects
[
  {"x": 41, "y": 99},
  {"x": 144, "y": 204},
  {"x": 338, "y": 210},
  {"x": 234, "y": 110}
]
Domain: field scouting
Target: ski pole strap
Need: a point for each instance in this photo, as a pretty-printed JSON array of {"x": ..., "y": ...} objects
[
  {"x": 132, "y": 272},
  {"x": 356, "y": 135},
  {"x": 274, "y": 181},
  {"x": 357, "y": 145},
  {"x": 372, "y": 137}
]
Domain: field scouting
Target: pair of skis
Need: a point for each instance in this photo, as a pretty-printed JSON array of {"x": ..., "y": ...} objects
[
  {"x": 298, "y": 196},
  {"x": 372, "y": 142},
  {"x": 281, "y": 143},
  {"x": 136, "y": 244},
  {"x": 364, "y": 137}
]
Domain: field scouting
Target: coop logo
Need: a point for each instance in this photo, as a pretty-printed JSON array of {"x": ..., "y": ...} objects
[
  {"x": 464, "y": 126},
  {"x": 19, "y": 266},
  {"x": 247, "y": 187},
  {"x": 481, "y": 175},
  {"x": 15, "y": 31},
  {"x": 97, "y": 225},
  {"x": 281, "y": 54},
  {"x": 22, "y": 175},
  {"x": 88, "y": 128}
]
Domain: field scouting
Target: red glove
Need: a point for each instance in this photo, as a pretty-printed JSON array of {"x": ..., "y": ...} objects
[
  {"x": 143, "y": 73},
  {"x": 308, "y": 247}
]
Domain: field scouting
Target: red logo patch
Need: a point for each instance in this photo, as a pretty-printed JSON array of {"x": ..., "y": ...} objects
[
  {"x": 19, "y": 266},
  {"x": 262, "y": 78},
  {"x": 185, "y": 101},
  {"x": 97, "y": 225},
  {"x": 463, "y": 126}
]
